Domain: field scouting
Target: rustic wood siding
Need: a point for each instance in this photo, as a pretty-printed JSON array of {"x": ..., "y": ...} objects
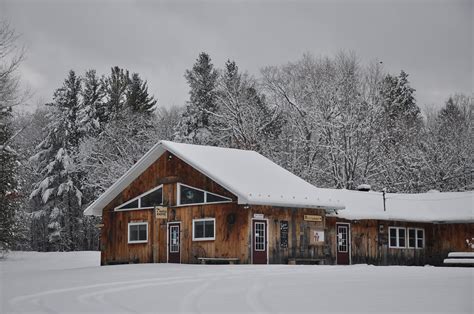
[
  {"x": 298, "y": 232},
  {"x": 167, "y": 170},
  {"x": 369, "y": 245},
  {"x": 230, "y": 241}
]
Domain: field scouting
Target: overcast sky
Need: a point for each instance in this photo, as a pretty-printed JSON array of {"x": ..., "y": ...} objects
[{"x": 432, "y": 41}]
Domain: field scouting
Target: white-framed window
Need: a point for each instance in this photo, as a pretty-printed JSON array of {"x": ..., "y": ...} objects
[
  {"x": 204, "y": 229},
  {"x": 189, "y": 195},
  {"x": 416, "y": 238},
  {"x": 397, "y": 237},
  {"x": 137, "y": 232},
  {"x": 260, "y": 236},
  {"x": 147, "y": 200}
]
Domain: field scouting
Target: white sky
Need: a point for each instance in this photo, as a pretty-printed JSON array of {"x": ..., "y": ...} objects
[{"x": 431, "y": 40}]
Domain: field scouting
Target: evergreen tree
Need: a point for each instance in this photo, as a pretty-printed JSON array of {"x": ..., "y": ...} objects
[
  {"x": 59, "y": 188},
  {"x": 8, "y": 182},
  {"x": 401, "y": 115},
  {"x": 116, "y": 86},
  {"x": 399, "y": 137},
  {"x": 195, "y": 125},
  {"x": 138, "y": 99},
  {"x": 92, "y": 112}
]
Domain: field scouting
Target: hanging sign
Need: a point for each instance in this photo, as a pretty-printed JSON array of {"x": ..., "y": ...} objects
[
  {"x": 313, "y": 218},
  {"x": 161, "y": 212}
]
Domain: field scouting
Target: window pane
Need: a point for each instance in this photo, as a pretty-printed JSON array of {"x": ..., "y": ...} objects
[
  {"x": 209, "y": 229},
  {"x": 411, "y": 238},
  {"x": 142, "y": 232},
  {"x": 198, "y": 229},
  {"x": 420, "y": 236},
  {"x": 133, "y": 204},
  {"x": 133, "y": 233},
  {"x": 153, "y": 199},
  {"x": 393, "y": 237},
  {"x": 401, "y": 237},
  {"x": 212, "y": 198},
  {"x": 191, "y": 196}
]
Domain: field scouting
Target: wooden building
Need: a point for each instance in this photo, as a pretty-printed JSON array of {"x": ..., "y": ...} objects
[
  {"x": 184, "y": 203},
  {"x": 413, "y": 229}
]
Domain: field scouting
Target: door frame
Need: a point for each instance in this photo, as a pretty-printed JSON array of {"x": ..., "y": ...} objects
[
  {"x": 252, "y": 235},
  {"x": 168, "y": 240},
  {"x": 349, "y": 241}
]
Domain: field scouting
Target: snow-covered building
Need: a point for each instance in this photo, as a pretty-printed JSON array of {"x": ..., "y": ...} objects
[
  {"x": 400, "y": 229},
  {"x": 188, "y": 204}
]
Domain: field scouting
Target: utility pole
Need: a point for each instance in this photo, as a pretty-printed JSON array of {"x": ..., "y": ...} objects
[{"x": 383, "y": 195}]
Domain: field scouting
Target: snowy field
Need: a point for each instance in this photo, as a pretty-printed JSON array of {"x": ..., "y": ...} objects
[{"x": 74, "y": 282}]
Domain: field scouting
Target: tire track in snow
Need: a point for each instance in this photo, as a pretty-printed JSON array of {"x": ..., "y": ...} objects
[
  {"x": 37, "y": 298},
  {"x": 253, "y": 296},
  {"x": 189, "y": 301}
]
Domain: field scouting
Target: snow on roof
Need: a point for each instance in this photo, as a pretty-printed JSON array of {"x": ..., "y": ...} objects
[
  {"x": 422, "y": 207},
  {"x": 254, "y": 179}
]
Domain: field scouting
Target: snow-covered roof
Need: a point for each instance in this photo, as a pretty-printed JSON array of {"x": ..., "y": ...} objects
[
  {"x": 254, "y": 179},
  {"x": 421, "y": 207}
]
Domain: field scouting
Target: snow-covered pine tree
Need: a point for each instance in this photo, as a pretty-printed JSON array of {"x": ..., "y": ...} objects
[
  {"x": 138, "y": 99},
  {"x": 195, "y": 125},
  {"x": 30, "y": 127},
  {"x": 402, "y": 124},
  {"x": 92, "y": 112},
  {"x": 8, "y": 182},
  {"x": 401, "y": 115},
  {"x": 116, "y": 86},
  {"x": 59, "y": 188}
]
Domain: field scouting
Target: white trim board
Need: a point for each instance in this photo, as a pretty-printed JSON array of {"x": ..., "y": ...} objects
[
  {"x": 168, "y": 240},
  {"x": 252, "y": 234},
  {"x": 137, "y": 224},
  {"x": 117, "y": 209}
]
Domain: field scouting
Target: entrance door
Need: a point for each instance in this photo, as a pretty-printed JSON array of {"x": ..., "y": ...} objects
[
  {"x": 174, "y": 248},
  {"x": 342, "y": 244},
  {"x": 259, "y": 242}
]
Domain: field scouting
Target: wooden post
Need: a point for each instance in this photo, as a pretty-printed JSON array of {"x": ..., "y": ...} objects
[{"x": 383, "y": 195}]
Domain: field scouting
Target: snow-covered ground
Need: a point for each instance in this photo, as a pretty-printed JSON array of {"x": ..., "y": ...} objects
[{"x": 74, "y": 282}]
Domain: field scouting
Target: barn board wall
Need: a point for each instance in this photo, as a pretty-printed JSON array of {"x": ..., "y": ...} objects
[
  {"x": 369, "y": 246},
  {"x": 167, "y": 170},
  {"x": 234, "y": 240}
]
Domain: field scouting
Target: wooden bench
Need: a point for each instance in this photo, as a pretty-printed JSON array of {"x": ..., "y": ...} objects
[
  {"x": 305, "y": 261},
  {"x": 460, "y": 259},
  {"x": 218, "y": 260}
]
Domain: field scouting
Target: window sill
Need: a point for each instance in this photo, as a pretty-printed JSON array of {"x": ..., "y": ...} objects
[
  {"x": 137, "y": 242},
  {"x": 204, "y": 239}
]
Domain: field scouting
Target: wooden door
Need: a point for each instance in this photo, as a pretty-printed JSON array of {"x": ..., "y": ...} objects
[
  {"x": 174, "y": 243},
  {"x": 343, "y": 244},
  {"x": 259, "y": 242}
]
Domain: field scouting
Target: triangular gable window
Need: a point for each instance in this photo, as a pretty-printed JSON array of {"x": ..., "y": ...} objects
[
  {"x": 149, "y": 199},
  {"x": 214, "y": 198},
  {"x": 128, "y": 205},
  {"x": 188, "y": 195},
  {"x": 152, "y": 199}
]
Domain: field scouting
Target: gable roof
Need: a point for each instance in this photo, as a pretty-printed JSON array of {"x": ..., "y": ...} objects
[
  {"x": 254, "y": 179},
  {"x": 445, "y": 207}
]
